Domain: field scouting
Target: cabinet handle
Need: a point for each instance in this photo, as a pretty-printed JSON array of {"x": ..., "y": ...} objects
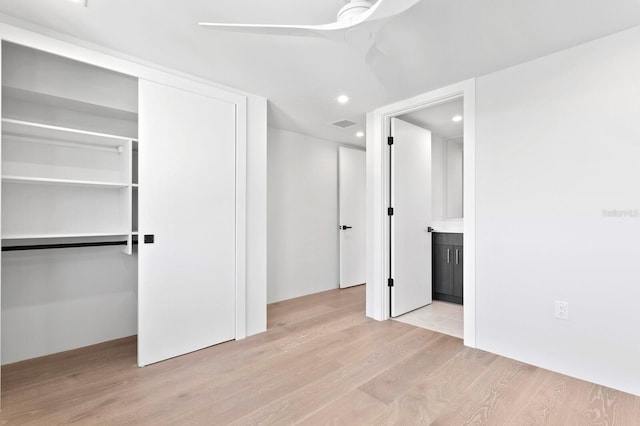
[
  {"x": 457, "y": 261},
  {"x": 448, "y": 255}
]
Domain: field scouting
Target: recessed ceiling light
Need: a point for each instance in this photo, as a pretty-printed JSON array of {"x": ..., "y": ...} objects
[
  {"x": 80, "y": 2},
  {"x": 360, "y": 134},
  {"x": 456, "y": 118},
  {"x": 343, "y": 99}
]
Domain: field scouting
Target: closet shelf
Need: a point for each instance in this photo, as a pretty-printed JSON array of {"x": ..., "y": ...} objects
[
  {"x": 27, "y": 131},
  {"x": 61, "y": 182},
  {"x": 71, "y": 235},
  {"x": 114, "y": 110}
]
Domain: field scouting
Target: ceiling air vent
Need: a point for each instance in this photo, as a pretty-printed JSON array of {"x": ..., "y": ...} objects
[{"x": 343, "y": 124}]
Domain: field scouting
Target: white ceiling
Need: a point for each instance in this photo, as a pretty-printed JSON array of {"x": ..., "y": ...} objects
[
  {"x": 438, "y": 118},
  {"x": 435, "y": 43}
]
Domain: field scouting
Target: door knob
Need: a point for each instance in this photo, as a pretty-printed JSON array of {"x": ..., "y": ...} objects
[{"x": 346, "y": 227}]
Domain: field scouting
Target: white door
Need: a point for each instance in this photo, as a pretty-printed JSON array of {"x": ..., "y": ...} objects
[
  {"x": 411, "y": 201},
  {"x": 352, "y": 189},
  {"x": 186, "y": 284}
]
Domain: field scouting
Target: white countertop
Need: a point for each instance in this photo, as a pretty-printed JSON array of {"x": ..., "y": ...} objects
[{"x": 454, "y": 226}]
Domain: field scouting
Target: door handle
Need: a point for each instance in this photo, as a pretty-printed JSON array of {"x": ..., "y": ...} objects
[
  {"x": 457, "y": 259},
  {"x": 346, "y": 227},
  {"x": 448, "y": 255}
]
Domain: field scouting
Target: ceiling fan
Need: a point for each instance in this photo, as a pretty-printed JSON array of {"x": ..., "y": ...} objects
[{"x": 357, "y": 23}]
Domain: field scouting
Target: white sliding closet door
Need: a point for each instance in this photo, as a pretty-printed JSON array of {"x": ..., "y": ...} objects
[{"x": 187, "y": 202}]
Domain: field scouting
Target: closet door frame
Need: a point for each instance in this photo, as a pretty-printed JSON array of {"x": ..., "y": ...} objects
[{"x": 181, "y": 81}]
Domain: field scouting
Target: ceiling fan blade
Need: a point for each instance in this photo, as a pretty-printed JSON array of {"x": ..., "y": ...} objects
[
  {"x": 385, "y": 9},
  {"x": 371, "y": 19},
  {"x": 333, "y": 30}
]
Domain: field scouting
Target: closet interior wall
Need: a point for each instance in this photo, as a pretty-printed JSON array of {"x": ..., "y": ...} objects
[{"x": 69, "y": 176}]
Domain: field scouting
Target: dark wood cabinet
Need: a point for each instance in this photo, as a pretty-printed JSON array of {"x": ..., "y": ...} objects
[
  {"x": 442, "y": 272},
  {"x": 457, "y": 272},
  {"x": 447, "y": 267}
]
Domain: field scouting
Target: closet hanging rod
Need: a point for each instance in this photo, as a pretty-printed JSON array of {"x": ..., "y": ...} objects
[{"x": 65, "y": 245}]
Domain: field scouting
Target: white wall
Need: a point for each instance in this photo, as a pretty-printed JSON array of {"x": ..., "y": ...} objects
[
  {"x": 303, "y": 245},
  {"x": 558, "y": 142},
  {"x": 55, "y": 300},
  {"x": 454, "y": 178},
  {"x": 437, "y": 178},
  {"x": 257, "y": 215}
]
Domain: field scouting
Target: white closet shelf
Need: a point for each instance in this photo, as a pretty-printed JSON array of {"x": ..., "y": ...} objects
[
  {"x": 70, "y": 235},
  {"x": 61, "y": 182},
  {"x": 28, "y": 131},
  {"x": 116, "y": 111}
]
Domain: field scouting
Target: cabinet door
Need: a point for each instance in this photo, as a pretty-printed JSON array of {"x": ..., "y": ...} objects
[
  {"x": 442, "y": 269},
  {"x": 186, "y": 280},
  {"x": 457, "y": 271}
]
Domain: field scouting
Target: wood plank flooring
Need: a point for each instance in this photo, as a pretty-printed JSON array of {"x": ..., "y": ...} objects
[{"x": 321, "y": 362}]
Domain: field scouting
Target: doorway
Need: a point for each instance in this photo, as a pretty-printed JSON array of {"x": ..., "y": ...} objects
[
  {"x": 380, "y": 227},
  {"x": 427, "y": 151}
]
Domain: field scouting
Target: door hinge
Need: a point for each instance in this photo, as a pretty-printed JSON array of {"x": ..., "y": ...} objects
[
  {"x": 390, "y": 211},
  {"x": 390, "y": 140},
  {"x": 390, "y": 282}
]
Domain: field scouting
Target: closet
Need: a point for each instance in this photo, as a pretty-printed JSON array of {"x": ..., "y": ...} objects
[
  {"x": 119, "y": 209},
  {"x": 69, "y": 183}
]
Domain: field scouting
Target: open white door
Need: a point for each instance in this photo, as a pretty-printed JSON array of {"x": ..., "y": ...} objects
[
  {"x": 411, "y": 202},
  {"x": 186, "y": 284},
  {"x": 353, "y": 190}
]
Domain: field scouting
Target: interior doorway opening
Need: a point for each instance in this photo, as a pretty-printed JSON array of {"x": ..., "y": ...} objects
[
  {"x": 379, "y": 229},
  {"x": 427, "y": 225},
  {"x": 426, "y": 239}
]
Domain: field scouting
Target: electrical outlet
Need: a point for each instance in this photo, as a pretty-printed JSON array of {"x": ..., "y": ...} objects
[{"x": 562, "y": 310}]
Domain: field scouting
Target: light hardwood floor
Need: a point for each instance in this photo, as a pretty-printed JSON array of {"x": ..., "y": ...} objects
[{"x": 321, "y": 362}]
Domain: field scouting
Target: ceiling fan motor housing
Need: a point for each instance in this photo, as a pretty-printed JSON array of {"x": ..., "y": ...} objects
[{"x": 353, "y": 9}]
